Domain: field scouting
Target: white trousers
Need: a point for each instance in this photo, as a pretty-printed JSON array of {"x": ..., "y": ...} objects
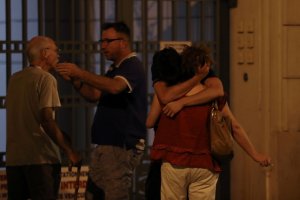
[{"x": 178, "y": 183}]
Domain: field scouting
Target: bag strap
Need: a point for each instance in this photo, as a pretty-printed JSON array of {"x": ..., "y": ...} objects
[{"x": 215, "y": 104}]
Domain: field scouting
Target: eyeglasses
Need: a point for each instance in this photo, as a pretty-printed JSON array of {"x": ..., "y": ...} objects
[{"x": 107, "y": 41}]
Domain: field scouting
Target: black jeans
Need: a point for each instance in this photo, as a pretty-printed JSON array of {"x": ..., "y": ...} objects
[
  {"x": 153, "y": 181},
  {"x": 38, "y": 182}
]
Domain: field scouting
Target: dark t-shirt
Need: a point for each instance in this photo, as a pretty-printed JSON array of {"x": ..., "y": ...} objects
[{"x": 120, "y": 118}]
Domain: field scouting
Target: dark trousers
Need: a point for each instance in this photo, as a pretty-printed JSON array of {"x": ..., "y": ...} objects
[
  {"x": 153, "y": 181},
  {"x": 38, "y": 182}
]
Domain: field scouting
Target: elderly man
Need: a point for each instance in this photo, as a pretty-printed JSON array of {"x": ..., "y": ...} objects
[{"x": 33, "y": 137}]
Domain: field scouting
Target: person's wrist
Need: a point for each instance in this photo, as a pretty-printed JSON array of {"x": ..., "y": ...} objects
[
  {"x": 182, "y": 102},
  {"x": 198, "y": 77},
  {"x": 69, "y": 152}
]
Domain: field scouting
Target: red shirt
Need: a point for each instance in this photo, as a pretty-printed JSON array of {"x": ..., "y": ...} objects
[{"x": 184, "y": 139}]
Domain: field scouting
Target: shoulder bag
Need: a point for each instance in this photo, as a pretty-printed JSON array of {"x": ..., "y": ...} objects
[{"x": 220, "y": 133}]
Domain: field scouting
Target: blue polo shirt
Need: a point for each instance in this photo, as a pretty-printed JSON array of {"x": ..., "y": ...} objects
[{"x": 120, "y": 118}]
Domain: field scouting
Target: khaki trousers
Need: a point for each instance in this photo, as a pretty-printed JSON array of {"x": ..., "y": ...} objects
[
  {"x": 178, "y": 183},
  {"x": 111, "y": 171}
]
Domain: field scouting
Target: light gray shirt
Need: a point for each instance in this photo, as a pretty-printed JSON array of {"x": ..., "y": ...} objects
[{"x": 29, "y": 91}]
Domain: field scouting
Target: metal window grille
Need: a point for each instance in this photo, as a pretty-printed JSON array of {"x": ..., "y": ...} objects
[{"x": 75, "y": 26}]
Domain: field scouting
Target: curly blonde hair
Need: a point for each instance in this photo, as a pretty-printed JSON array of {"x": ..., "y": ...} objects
[{"x": 194, "y": 57}]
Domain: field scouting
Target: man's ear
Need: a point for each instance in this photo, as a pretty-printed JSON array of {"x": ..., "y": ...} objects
[
  {"x": 124, "y": 43},
  {"x": 44, "y": 53}
]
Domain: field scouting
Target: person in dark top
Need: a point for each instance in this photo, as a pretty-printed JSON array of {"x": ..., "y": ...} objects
[{"x": 118, "y": 130}]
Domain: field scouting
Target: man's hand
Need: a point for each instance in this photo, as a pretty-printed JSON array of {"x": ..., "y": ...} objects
[
  {"x": 68, "y": 70},
  {"x": 75, "y": 158}
]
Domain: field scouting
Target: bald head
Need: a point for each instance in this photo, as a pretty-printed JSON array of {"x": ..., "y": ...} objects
[{"x": 35, "y": 45}]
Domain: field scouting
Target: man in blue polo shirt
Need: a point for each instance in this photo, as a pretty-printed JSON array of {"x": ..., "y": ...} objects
[{"x": 118, "y": 130}]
